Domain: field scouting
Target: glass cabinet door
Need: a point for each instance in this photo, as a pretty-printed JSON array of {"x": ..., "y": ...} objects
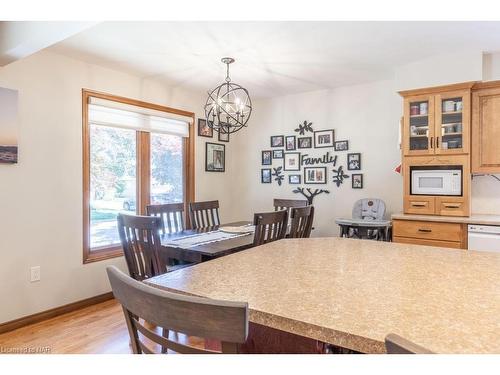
[
  {"x": 452, "y": 123},
  {"x": 419, "y": 125}
]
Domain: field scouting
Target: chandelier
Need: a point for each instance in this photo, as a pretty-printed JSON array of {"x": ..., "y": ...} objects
[{"x": 228, "y": 106}]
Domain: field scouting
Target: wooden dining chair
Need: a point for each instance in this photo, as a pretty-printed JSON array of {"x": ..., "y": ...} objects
[
  {"x": 269, "y": 226},
  {"x": 302, "y": 221},
  {"x": 204, "y": 214},
  {"x": 140, "y": 238},
  {"x": 171, "y": 214},
  {"x": 223, "y": 321},
  {"x": 288, "y": 204},
  {"x": 396, "y": 344}
]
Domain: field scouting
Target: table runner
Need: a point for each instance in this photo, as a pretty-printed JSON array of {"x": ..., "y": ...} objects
[{"x": 202, "y": 238}]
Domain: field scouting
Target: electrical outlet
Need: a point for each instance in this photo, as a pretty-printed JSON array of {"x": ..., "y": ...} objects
[{"x": 35, "y": 274}]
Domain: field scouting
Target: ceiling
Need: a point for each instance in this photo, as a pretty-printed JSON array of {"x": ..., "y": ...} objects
[{"x": 272, "y": 58}]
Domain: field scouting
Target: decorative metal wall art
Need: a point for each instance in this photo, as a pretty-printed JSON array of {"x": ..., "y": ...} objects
[
  {"x": 315, "y": 167},
  {"x": 305, "y": 127},
  {"x": 339, "y": 176},
  {"x": 309, "y": 194},
  {"x": 278, "y": 175}
]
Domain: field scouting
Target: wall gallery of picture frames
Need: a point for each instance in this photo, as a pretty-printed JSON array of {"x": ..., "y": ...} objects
[{"x": 310, "y": 157}]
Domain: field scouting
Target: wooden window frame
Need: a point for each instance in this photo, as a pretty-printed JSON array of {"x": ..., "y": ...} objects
[{"x": 143, "y": 169}]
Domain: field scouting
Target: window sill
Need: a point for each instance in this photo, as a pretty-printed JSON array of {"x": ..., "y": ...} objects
[{"x": 98, "y": 255}]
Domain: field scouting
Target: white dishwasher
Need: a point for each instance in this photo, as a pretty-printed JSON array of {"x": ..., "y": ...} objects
[{"x": 484, "y": 238}]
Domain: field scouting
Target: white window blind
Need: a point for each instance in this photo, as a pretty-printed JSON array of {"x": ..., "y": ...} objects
[{"x": 126, "y": 116}]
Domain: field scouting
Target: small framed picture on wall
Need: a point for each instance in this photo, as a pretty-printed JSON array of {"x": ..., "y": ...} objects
[
  {"x": 314, "y": 175},
  {"x": 267, "y": 158},
  {"x": 215, "y": 157},
  {"x": 304, "y": 142},
  {"x": 291, "y": 161},
  {"x": 290, "y": 143},
  {"x": 277, "y": 154},
  {"x": 223, "y": 137},
  {"x": 277, "y": 141},
  {"x": 357, "y": 180},
  {"x": 354, "y": 162},
  {"x": 324, "y": 138},
  {"x": 341, "y": 145},
  {"x": 203, "y": 129},
  {"x": 294, "y": 179},
  {"x": 265, "y": 175}
]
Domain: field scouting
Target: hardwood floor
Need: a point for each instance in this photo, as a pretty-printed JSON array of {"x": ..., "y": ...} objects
[{"x": 92, "y": 330}]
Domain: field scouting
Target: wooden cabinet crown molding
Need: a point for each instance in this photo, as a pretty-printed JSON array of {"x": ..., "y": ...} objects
[
  {"x": 486, "y": 85},
  {"x": 437, "y": 89}
]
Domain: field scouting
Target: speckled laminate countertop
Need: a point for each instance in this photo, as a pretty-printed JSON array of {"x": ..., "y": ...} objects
[
  {"x": 477, "y": 219},
  {"x": 352, "y": 293}
]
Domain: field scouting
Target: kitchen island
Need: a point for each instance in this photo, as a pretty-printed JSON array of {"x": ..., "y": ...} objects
[{"x": 352, "y": 293}]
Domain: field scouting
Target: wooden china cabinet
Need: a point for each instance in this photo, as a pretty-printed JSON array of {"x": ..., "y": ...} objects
[
  {"x": 437, "y": 120},
  {"x": 436, "y": 132},
  {"x": 452, "y": 127}
]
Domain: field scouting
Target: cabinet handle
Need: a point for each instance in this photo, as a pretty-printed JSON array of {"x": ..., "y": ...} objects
[
  {"x": 417, "y": 204},
  {"x": 437, "y": 142},
  {"x": 432, "y": 142},
  {"x": 424, "y": 230},
  {"x": 451, "y": 206}
]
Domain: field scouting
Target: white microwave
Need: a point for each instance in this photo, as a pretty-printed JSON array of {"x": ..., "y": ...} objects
[{"x": 436, "y": 180}]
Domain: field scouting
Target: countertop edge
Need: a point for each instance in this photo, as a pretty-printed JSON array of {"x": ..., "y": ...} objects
[{"x": 330, "y": 336}]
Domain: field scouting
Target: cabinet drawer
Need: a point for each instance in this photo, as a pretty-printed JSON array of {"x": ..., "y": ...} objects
[
  {"x": 450, "y": 206},
  {"x": 424, "y": 242},
  {"x": 419, "y": 205},
  {"x": 428, "y": 230}
]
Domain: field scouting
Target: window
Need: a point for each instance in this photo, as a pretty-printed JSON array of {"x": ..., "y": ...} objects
[{"x": 134, "y": 154}]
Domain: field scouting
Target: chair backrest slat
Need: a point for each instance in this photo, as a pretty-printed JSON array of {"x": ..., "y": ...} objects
[
  {"x": 396, "y": 344},
  {"x": 204, "y": 214},
  {"x": 171, "y": 214},
  {"x": 140, "y": 238},
  {"x": 224, "y": 321},
  {"x": 302, "y": 221},
  {"x": 269, "y": 226}
]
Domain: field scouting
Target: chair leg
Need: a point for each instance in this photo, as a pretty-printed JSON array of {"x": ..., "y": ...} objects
[{"x": 164, "y": 333}]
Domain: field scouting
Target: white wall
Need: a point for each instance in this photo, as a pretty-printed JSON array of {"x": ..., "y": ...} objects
[
  {"x": 40, "y": 198},
  {"x": 366, "y": 115},
  {"x": 439, "y": 70}
]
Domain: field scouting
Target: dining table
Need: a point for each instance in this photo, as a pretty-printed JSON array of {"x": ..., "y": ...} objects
[
  {"x": 202, "y": 244},
  {"x": 352, "y": 293}
]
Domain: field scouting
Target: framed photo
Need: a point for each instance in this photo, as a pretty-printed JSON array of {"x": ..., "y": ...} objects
[
  {"x": 291, "y": 161},
  {"x": 324, "y": 138},
  {"x": 223, "y": 137},
  {"x": 265, "y": 175},
  {"x": 354, "y": 162},
  {"x": 277, "y": 154},
  {"x": 9, "y": 115},
  {"x": 215, "y": 157},
  {"x": 357, "y": 180},
  {"x": 314, "y": 175},
  {"x": 294, "y": 179},
  {"x": 304, "y": 142},
  {"x": 290, "y": 143},
  {"x": 341, "y": 145},
  {"x": 277, "y": 141},
  {"x": 267, "y": 158},
  {"x": 203, "y": 129}
]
